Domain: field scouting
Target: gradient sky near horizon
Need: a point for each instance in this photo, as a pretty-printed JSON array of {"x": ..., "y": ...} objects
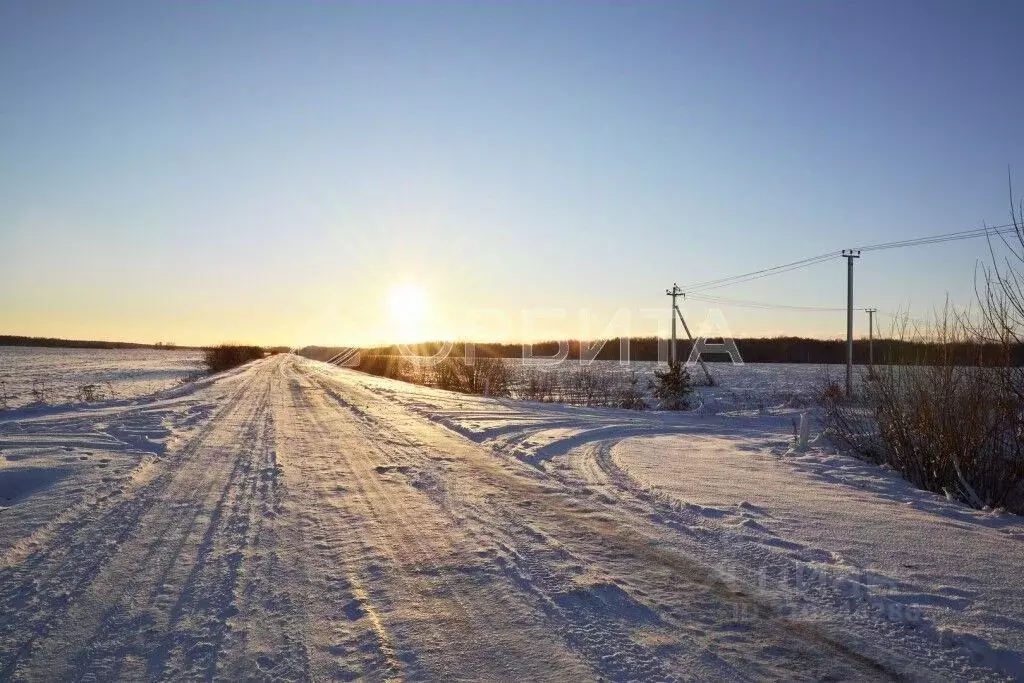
[{"x": 273, "y": 171}]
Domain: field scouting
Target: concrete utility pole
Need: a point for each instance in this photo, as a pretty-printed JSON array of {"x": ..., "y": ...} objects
[
  {"x": 674, "y": 292},
  {"x": 849, "y": 255},
  {"x": 871, "y": 340}
]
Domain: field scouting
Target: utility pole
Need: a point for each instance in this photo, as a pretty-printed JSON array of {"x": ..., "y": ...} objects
[
  {"x": 871, "y": 340},
  {"x": 674, "y": 292},
  {"x": 849, "y": 255}
]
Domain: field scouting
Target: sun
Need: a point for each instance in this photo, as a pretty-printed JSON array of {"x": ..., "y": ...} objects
[{"x": 407, "y": 304}]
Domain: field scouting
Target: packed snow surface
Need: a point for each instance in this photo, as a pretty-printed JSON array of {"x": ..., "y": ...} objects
[{"x": 292, "y": 520}]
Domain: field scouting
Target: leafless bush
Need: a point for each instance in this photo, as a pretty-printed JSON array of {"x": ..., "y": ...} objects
[
  {"x": 588, "y": 385},
  {"x": 947, "y": 427},
  {"x": 828, "y": 390},
  {"x": 404, "y": 369},
  {"x": 88, "y": 393},
  {"x": 395, "y": 367},
  {"x": 592, "y": 384},
  {"x": 628, "y": 395},
  {"x": 537, "y": 384},
  {"x": 410, "y": 371},
  {"x": 583, "y": 384},
  {"x": 488, "y": 376},
  {"x": 853, "y": 424},
  {"x": 447, "y": 375},
  {"x": 227, "y": 356},
  {"x": 493, "y": 377}
]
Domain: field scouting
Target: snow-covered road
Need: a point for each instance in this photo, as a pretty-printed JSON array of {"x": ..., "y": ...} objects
[{"x": 298, "y": 521}]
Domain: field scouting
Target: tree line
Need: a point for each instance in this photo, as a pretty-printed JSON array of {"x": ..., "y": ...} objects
[
  {"x": 752, "y": 349},
  {"x": 54, "y": 342}
]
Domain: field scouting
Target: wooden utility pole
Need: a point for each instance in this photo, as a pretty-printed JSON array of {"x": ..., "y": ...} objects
[
  {"x": 849, "y": 255},
  {"x": 674, "y": 292}
]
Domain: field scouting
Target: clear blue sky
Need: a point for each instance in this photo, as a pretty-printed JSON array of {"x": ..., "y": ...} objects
[{"x": 266, "y": 171}]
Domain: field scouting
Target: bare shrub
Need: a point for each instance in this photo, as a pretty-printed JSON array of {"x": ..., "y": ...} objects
[
  {"x": 831, "y": 392},
  {"x": 592, "y": 384},
  {"x": 448, "y": 375},
  {"x": 407, "y": 370},
  {"x": 88, "y": 393},
  {"x": 492, "y": 377},
  {"x": 853, "y": 424},
  {"x": 395, "y": 367},
  {"x": 629, "y": 395},
  {"x": 947, "y": 426},
  {"x": 226, "y": 356},
  {"x": 537, "y": 384},
  {"x": 487, "y": 376},
  {"x": 588, "y": 385}
]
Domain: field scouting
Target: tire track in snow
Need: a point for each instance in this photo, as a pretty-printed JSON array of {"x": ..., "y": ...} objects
[
  {"x": 122, "y": 620},
  {"x": 434, "y": 562},
  {"x": 211, "y": 596},
  {"x": 607, "y": 536},
  {"x": 902, "y": 648},
  {"x": 593, "y": 620},
  {"x": 348, "y": 637},
  {"x": 590, "y": 620},
  {"x": 60, "y": 571}
]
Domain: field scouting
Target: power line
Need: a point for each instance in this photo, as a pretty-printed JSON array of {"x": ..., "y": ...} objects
[
  {"x": 764, "y": 305},
  {"x": 903, "y": 317},
  {"x": 1006, "y": 228},
  {"x": 769, "y": 306},
  {"x": 765, "y": 272}
]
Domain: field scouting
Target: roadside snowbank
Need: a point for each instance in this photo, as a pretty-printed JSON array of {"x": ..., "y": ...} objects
[{"x": 852, "y": 523}]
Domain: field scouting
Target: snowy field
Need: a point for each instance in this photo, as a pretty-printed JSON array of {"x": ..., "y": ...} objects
[
  {"x": 57, "y": 376},
  {"x": 775, "y": 387},
  {"x": 292, "y": 520}
]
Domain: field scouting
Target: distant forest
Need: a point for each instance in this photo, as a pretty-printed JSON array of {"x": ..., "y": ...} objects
[
  {"x": 51, "y": 342},
  {"x": 753, "y": 350}
]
